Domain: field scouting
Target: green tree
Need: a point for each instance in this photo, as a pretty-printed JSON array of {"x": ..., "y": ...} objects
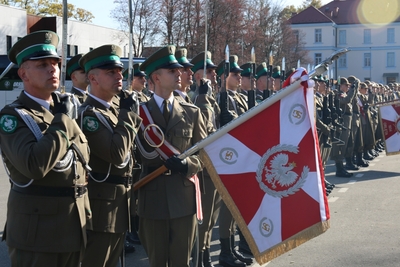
[{"x": 50, "y": 8}]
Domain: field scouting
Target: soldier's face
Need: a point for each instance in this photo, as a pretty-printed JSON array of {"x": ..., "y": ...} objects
[
  {"x": 109, "y": 81},
  {"x": 138, "y": 83},
  {"x": 168, "y": 79},
  {"x": 246, "y": 85},
  {"x": 187, "y": 77},
  {"x": 79, "y": 79},
  {"x": 40, "y": 76},
  {"x": 233, "y": 81},
  {"x": 212, "y": 76}
]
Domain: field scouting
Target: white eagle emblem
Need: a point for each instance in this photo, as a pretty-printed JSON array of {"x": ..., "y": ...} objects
[{"x": 281, "y": 171}]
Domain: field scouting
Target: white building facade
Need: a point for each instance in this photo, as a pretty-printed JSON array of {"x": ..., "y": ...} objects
[{"x": 374, "y": 48}]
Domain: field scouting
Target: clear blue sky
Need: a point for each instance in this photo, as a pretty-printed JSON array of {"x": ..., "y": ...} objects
[{"x": 101, "y": 9}]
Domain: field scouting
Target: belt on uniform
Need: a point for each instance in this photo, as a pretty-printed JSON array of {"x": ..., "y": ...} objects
[
  {"x": 149, "y": 169},
  {"x": 49, "y": 191},
  {"x": 113, "y": 179}
]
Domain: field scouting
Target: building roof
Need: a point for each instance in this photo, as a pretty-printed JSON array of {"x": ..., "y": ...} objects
[{"x": 346, "y": 12}]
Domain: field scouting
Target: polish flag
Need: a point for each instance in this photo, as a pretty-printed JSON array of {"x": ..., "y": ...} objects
[
  {"x": 390, "y": 118},
  {"x": 268, "y": 172}
]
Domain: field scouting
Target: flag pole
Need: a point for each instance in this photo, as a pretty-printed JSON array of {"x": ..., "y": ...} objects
[
  {"x": 205, "y": 41},
  {"x": 64, "y": 47},
  {"x": 319, "y": 69}
]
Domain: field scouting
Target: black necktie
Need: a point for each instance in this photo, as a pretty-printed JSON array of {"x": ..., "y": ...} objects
[{"x": 166, "y": 111}]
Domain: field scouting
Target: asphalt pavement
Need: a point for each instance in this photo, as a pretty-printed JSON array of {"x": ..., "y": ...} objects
[{"x": 365, "y": 223}]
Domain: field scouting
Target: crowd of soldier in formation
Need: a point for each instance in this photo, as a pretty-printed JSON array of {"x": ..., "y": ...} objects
[
  {"x": 72, "y": 170},
  {"x": 348, "y": 122}
]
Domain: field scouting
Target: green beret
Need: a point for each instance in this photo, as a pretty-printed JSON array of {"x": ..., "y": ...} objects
[
  {"x": 136, "y": 71},
  {"x": 344, "y": 81},
  {"x": 181, "y": 56},
  {"x": 161, "y": 59},
  {"x": 246, "y": 69},
  {"x": 37, "y": 45},
  {"x": 276, "y": 72},
  {"x": 233, "y": 66},
  {"x": 198, "y": 62},
  {"x": 103, "y": 57},
  {"x": 261, "y": 70},
  {"x": 73, "y": 64}
]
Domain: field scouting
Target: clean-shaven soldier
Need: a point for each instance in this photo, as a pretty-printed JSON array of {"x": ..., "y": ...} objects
[
  {"x": 167, "y": 204},
  {"x": 78, "y": 77},
  {"x": 110, "y": 130}
]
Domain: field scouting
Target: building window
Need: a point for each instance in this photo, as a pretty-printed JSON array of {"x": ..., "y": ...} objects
[
  {"x": 318, "y": 58},
  {"x": 342, "y": 37},
  {"x": 367, "y": 36},
  {"x": 68, "y": 50},
  {"x": 390, "y": 59},
  {"x": 318, "y": 35},
  {"x": 343, "y": 61},
  {"x": 75, "y": 50},
  {"x": 367, "y": 59},
  {"x": 390, "y": 35},
  {"x": 296, "y": 35},
  {"x": 9, "y": 42}
]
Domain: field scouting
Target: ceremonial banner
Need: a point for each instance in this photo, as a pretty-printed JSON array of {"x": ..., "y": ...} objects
[
  {"x": 390, "y": 120},
  {"x": 268, "y": 172}
]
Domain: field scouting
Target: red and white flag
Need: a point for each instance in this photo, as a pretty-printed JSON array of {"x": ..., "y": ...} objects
[
  {"x": 268, "y": 172},
  {"x": 390, "y": 119}
]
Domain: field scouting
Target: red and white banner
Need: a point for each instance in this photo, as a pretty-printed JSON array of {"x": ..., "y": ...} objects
[
  {"x": 390, "y": 119},
  {"x": 268, "y": 172}
]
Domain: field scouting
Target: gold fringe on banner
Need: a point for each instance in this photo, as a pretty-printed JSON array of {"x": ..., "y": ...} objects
[{"x": 275, "y": 251}]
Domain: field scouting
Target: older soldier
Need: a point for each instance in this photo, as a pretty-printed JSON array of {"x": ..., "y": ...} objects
[
  {"x": 186, "y": 76},
  {"x": 346, "y": 96},
  {"x": 46, "y": 155},
  {"x": 78, "y": 78},
  {"x": 210, "y": 198},
  {"x": 167, "y": 204},
  {"x": 110, "y": 130}
]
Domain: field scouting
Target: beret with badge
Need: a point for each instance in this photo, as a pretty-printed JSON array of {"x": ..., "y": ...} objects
[
  {"x": 198, "y": 62},
  {"x": 103, "y": 57},
  {"x": 181, "y": 57},
  {"x": 36, "y": 45},
  {"x": 163, "y": 58}
]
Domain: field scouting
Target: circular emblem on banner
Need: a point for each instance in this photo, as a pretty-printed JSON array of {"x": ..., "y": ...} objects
[
  {"x": 228, "y": 155},
  {"x": 8, "y": 123},
  {"x": 397, "y": 123},
  {"x": 279, "y": 176},
  {"x": 266, "y": 227},
  {"x": 297, "y": 114},
  {"x": 91, "y": 124}
]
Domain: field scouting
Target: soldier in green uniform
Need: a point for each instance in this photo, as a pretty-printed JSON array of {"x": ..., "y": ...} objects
[
  {"x": 167, "y": 204},
  {"x": 346, "y": 96},
  {"x": 46, "y": 155},
  {"x": 263, "y": 82},
  {"x": 139, "y": 83},
  {"x": 78, "y": 77},
  {"x": 110, "y": 130},
  {"x": 186, "y": 75},
  {"x": 210, "y": 198},
  {"x": 237, "y": 105}
]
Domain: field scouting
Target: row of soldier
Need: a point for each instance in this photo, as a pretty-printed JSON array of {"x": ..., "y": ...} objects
[
  {"x": 348, "y": 122},
  {"x": 72, "y": 170}
]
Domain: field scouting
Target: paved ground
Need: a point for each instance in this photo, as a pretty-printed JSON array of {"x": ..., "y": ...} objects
[{"x": 364, "y": 223}]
